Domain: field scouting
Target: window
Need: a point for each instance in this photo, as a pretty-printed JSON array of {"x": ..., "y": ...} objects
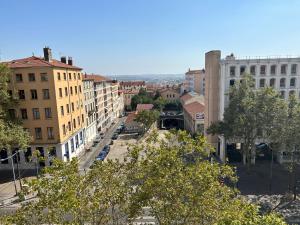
[
  {"x": 68, "y": 108},
  {"x": 70, "y": 76},
  {"x": 60, "y": 92},
  {"x": 33, "y": 94},
  {"x": 38, "y": 133},
  {"x": 12, "y": 113},
  {"x": 272, "y": 82},
  {"x": 283, "y": 69},
  {"x": 253, "y": 70},
  {"x": 282, "y": 82},
  {"x": 76, "y": 90},
  {"x": 282, "y": 94},
  {"x": 273, "y": 70},
  {"x": 71, "y": 90},
  {"x": 65, "y": 76},
  {"x": 58, "y": 76},
  {"x": 291, "y": 93},
  {"x": 48, "y": 113},
  {"x": 242, "y": 70},
  {"x": 19, "y": 77},
  {"x": 78, "y": 120},
  {"x": 66, "y": 91},
  {"x": 31, "y": 77},
  {"x": 294, "y": 69},
  {"x": 36, "y": 114},
  {"x": 69, "y": 126},
  {"x": 24, "y": 114},
  {"x": 64, "y": 129},
  {"x": 72, "y": 105},
  {"x": 46, "y": 94},
  {"x": 293, "y": 82},
  {"x": 76, "y": 141},
  {"x": 263, "y": 70},
  {"x": 50, "y": 133},
  {"x": 82, "y": 118},
  {"x": 231, "y": 82},
  {"x": 74, "y": 76},
  {"x": 74, "y": 123},
  {"x": 80, "y": 88},
  {"x": 72, "y": 145},
  {"x": 232, "y": 71},
  {"x": 78, "y": 76},
  {"x": 21, "y": 94},
  {"x": 261, "y": 82},
  {"x": 44, "y": 77},
  {"x": 62, "y": 110}
]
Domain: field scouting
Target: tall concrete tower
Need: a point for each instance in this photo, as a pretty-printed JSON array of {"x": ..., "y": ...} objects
[{"x": 212, "y": 92}]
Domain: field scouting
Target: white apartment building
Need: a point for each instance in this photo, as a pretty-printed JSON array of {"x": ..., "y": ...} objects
[
  {"x": 281, "y": 73},
  {"x": 90, "y": 109}
]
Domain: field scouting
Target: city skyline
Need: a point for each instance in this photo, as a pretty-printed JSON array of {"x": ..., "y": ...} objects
[{"x": 139, "y": 37}]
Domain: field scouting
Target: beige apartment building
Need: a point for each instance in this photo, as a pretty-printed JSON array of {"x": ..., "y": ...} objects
[
  {"x": 131, "y": 88},
  {"x": 50, "y": 105},
  {"x": 195, "y": 81},
  {"x": 170, "y": 93}
]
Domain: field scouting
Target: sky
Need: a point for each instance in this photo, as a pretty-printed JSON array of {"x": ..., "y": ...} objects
[{"x": 115, "y": 37}]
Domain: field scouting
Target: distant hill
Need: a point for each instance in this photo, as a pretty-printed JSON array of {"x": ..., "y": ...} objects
[{"x": 153, "y": 78}]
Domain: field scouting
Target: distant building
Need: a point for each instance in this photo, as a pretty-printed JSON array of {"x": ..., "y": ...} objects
[
  {"x": 131, "y": 88},
  {"x": 141, "y": 107},
  {"x": 195, "y": 81},
  {"x": 170, "y": 93},
  {"x": 191, "y": 97}
]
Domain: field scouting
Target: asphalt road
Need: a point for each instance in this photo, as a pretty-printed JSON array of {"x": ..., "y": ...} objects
[{"x": 87, "y": 160}]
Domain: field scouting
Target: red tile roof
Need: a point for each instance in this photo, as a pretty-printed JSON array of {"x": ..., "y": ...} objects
[
  {"x": 141, "y": 107},
  {"x": 186, "y": 97},
  {"x": 34, "y": 61},
  {"x": 96, "y": 78},
  {"x": 132, "y": 83},
  {"x": 130, "y": 117},
  {"x": 193, "y": 108},
  {"x": 130, "y": 91}
]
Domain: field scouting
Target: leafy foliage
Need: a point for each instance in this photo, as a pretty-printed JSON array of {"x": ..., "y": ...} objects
[
  {"x": 147, "y": 118},
  {"x": 171, "y": 175},
  {"x": 11, "y": 131}
]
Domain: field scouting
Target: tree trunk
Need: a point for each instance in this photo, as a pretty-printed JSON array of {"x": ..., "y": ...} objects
[{"x": 253, "y": 154}]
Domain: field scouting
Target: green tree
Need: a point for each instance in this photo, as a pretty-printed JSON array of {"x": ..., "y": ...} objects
[
  {"x": 178, "y": 183},
  {"x": 250, "y": 116},
  {"x": 159, "y": 103},
  {"x": 11, "y": 132},
  {"x": 147, "y": 118}
]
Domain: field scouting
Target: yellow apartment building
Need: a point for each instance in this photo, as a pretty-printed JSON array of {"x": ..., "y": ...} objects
[{"x": 50, "y": 106}]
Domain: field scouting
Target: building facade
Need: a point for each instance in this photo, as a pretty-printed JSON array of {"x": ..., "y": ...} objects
[
  {"x": 279, "y": 73},
  {"x": 195, "y": 81},
  {"x": 193, "y": 114},
  {"x": 131, "y": 88},
  {"x": 50, "y": 105},
  {"x": 90, "y": 109},
  {"x": 170, "y": 94}
]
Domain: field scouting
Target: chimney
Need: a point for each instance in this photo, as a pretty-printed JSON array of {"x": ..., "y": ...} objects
[
  {"x": 70, "y": 61},
  {"x": 63, "y": 59},
  {"x": 47, "y": 54}
]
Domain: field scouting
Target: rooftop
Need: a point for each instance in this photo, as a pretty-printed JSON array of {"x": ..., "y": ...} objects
[
  {"x": 193, "y": 108},
  {"x": 34, "y": 61},
  {"x": 95, "y": 78},
  {"x": 141, "y": 107}
]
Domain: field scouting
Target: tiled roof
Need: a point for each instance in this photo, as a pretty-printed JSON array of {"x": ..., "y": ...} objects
[
  {"x": 186, "y": 97},
  {"x": 96, "y": 78},
  {"x": 132, "y": 83},
  {"x": 34, "y": 61},
  {"x": 141, "y": 107},
  {"x": 193, "y": 108},
  {"x": 130, "y": 91},
  {"x": 130, "y": 117}
]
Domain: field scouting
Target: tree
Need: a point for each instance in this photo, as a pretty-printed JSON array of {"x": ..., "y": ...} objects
[
  {"x": 147, "y": 118},
  {"x": 12, "y": 133},
  {"x": 159, "y": 103},
  {"x": 174, "y": 178},
  {"x": 169, "y": 174},
  {"x": 250, "y": 116}
]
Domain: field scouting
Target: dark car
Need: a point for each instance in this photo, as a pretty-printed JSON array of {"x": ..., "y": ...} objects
[
  {"x": 106, "y": 148},
  {"x": 115, "y": 136},
  {"x": 101, "y": 156}
]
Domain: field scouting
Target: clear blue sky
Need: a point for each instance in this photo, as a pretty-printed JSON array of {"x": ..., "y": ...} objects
[{"x": 148, "y": 36}]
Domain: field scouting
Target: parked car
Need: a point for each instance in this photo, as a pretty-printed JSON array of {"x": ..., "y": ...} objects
[
  {"x": 115, "y": 136},
  {"x": 106, "y": 148},
  {"x": 111, "y": 142},
  {"x": 101, "y": 156}
]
